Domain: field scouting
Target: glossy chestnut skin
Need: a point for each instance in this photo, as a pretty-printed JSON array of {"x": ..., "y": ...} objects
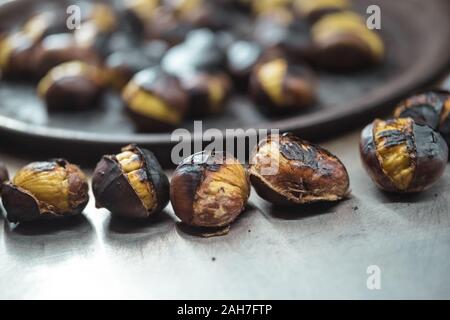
[
  {"x": 403, "y": 156},
  {"x": 209, "y": 190},
  {"x": 208, "y": 92},
  {"x": 72, "y": 86},
  {"x": 155, "y": 100},
  {"x": 45, "y": 190},
  {"x": 279, "y": 87},
  {"x": 131, "y": 184},
  {"x": 286, "y": 170},
  {"x": 431, "y": 108},
  {"x": 342, "y": 42},
  {"x": 4, "y": 176}
]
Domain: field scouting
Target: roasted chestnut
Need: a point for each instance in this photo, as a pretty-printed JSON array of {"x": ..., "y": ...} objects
[
  {"x": 285, "y": 169},
  {"x": 202, "y": 13},
  {"x": 138, "y": 13},
  {"x": 44, "y": 190},
  {"x": 431, "y": 108},
  {"x": 403, "y": 156},
  {"x": 72, "y": 86},
  {"x": 155, "y": 100},
  {"x": 208, "y": 92},
  {"x": 342, "y": 42},
  {"x": 130, "y": 184},
  {"x": 209, "y": 190},
  {"x": 242, "y": 56},
  {"x": 59, "y": 48},
  {"x": 277, "y": 86},
  {"x": 4, "y": 176},
  {"x": 313, "y": 10}
]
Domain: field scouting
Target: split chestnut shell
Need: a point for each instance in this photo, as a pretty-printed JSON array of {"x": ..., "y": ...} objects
[
  {"x": 130, "y": 184},
  {"x": 403, "y": 156},
  {"x": 285, "y": 169}
]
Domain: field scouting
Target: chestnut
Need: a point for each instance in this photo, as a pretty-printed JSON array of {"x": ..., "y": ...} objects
[
  {"x": 130, "y": 184},
  {"x": 209, "y": 189},
  {"x": 342, "y": 42},
  {"x": 403, "y": 156},
  {"x": 277, "y": 86},
  {"x": 202, "y": 13},
  {"x": 242, "y": 56},
  {"x": 72, "y": 86},
  {"x": 431, "y": 108},
  {"x": 59, "y": 48},
  {"x": 286, "y": 170},
  {"x": 313, "y": 10},
  {"x": 138, "y": 13},
  {"x": 155, "y": 100},
  {"x": 45, "y": 190},
  {"x": 4, "y": 176},
  {"x": 208, "y": 92}
]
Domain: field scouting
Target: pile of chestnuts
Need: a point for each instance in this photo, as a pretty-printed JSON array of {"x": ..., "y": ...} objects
[{"x": 176, "y": 60}]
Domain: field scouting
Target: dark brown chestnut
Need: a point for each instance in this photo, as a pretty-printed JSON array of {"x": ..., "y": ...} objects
[
  {"x": 285, "y": 170},
  {"x": 342, "y": 42},
  {"x": 155, "y": 100},
  {"x": 209, "y": 190},
  {"x": 45, "y": 190},
  {"x": 313, "y": 10},
  {"x": 4, "y": 176},
  {"x": 59, "y": 48},
  {"x": 208, "y": 92},
  {"x": 242, "y": 56},
  {"x": 131, "y": 184},
  {"x": 72, "y": 86},
  {"x": 138, "y": 13},
  {"x": 403, "y": 156},
  {"x": 277, "y": 86},
  {"x": 431, "y": 108}
]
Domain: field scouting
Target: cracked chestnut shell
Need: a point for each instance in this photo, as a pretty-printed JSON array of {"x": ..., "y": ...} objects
[
  {"x": 342, "y": 42},
  {"x": 155, "y": 100},
  {"x": 403, "y": 156},
  {"x": 279, "y": 87},
  {"x": 285, "y": 169},
  {"x": 130, "y": 184},
  {"x": 209, "y": 189},
  {"x": 4, "y": 176},
  {"x": 72, "y": 86},
  {"x": 431, "y": 108},
  {"x": 45, "y": 190}
]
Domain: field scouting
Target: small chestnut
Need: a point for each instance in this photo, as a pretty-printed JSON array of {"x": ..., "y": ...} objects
[
  {"x": 72, "y": 86},
  {"x": 155, "y": 100},
  {"x": 342, "y": 42},
  {"x": 403, "y": 156},
  {"x": 208, "y": 92},
  {"x": 130, "y": 184},
  {"x": 209, "y": 189},
  {"x": 44, "y": 190},
  {"x": 4, "y": 176},
  {"x": 285, "y": 169},
  {"x": 431, "y": 108},
  {"x": 313, "y": 10},
  {"x": 277, "y": 86}
]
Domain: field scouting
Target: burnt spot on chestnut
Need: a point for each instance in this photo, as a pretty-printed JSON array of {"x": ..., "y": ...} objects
[
  {"x": 431, "y": 108},
  {"x": 131, "y": 184},
  {"x": 155, "y": 100},
  {"x": 403, "y": 156},
  {"x": 313, "y": 10},
  {"x": 208, "y": 92},
  {"x": 209, "y": 190},
  {"x": 4, "y": 176},
  {"x": 342, "y": 42},
  {"x": 277, "y": 86},
  {"x": 44, "y": 190},
  {"x": 72, "y": 86},
  {"x": 286, "y": 170}
]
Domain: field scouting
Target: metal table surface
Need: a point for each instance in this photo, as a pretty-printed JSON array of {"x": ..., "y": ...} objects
[{"x": 320, "y": 251}]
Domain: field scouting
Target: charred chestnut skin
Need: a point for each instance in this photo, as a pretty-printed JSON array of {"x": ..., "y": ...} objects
[
  {"x": 25, "y": 198},
  {"x": 286, "y": 170},
  {"x": 193, "y": 193},
  {"x": 425, "y": 151},
  {"x": 4, "y": 176},
  {"x": 72, "y": 86},
  {"x": 155, "y": 100},
  {"x": 431, "y": 108},
  {"x": 279, "y": 87},
  {"x": 114, "y": 191}
]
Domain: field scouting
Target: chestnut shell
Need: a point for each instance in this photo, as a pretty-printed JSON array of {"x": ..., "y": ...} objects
[
  {"x": 113, "y": 191},
  {"x": 429, "y": 155}
]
